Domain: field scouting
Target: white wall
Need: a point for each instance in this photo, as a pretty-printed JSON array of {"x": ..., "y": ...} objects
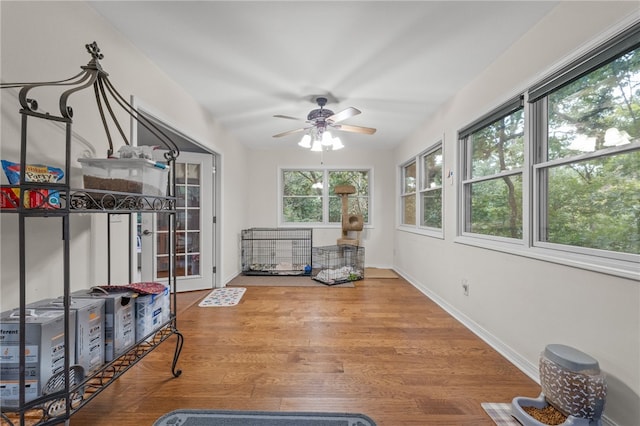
[
  {"x": 263, "y": 201},
  {"x": 520, "y": 304},
  {"x": 43, "y": 41},
  {"x": 516, "y": 303}
]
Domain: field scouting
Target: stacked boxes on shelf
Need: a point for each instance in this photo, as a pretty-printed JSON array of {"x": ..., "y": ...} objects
[
  {"x": 152, "y": 311},
  {"x": 89, "y": 329},
  {"x": 120, "y": 325},
  {"x": 44, "y": 351},
  {"x": 104, "y": 326}
]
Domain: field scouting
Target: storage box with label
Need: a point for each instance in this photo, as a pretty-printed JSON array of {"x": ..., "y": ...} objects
[
  {"x": 119, "y": 320},
  {"x": 89, "y": 329},
  {"x": 132, "y": 175},
  {"x": 44, "y": 352},
  {"x": 152, "y": 311}
]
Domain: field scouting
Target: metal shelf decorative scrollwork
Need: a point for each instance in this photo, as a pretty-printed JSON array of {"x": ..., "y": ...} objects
[
  {"x": 86, "y": 201},
  {"x": 109, "y": 201},
  {"x": 69, "y": 390}
]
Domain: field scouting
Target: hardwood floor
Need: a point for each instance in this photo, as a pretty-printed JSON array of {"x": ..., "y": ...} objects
[{"x": 381, "y": 348}]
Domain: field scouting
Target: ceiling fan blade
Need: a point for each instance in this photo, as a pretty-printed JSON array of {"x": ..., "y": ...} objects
[
  {"x": 290, "y": 132},
  {"x": 289, "y": 118},
  {"x": 343, "y": 115},
  {"x": 355, "y": 129}
]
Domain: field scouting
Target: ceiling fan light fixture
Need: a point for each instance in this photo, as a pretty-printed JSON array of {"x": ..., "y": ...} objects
[
  {"x": 305, "y": 142},
  {"x": 317, "y": 146},
  {"x": 327, "y": 139},
  {"x": 337, "y": 144}
]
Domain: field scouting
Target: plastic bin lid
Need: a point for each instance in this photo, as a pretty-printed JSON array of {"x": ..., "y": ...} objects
[{"x": 570, "y": 358}]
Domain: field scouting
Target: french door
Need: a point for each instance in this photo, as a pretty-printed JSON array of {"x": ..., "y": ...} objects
[{"x": 194, "y": 252}]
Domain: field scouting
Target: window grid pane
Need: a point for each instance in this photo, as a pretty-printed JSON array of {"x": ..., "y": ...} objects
[
  {"x": 409, "y": 209},
  {"x": 496, "y": 207},
  {"x": 597, "y": 111},
  {"x": 305, "y": 194},
  {"x": 499, "y": 146},
  {"x": 594, "y": 203},
  {"x": 409, "y": 178}
]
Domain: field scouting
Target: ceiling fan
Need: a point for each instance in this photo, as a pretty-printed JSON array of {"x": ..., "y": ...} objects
[{"x": 321, "y": 120}]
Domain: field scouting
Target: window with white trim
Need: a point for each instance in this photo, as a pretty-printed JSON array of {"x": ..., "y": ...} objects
[
  {"x": 587, "y": 153},
  {"x": 565, "y": 184},
  {"x": 431, "y": 187},
  {"x": 408, "y": 193},
  {"x": 492, "y": 164},
  {"x": 307, "y": 195}
]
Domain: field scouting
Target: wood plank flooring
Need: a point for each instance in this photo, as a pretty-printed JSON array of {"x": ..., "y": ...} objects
[{"x": 381, "y": 348}]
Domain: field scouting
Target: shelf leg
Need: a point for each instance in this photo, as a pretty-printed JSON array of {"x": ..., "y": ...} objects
[{"x": 176, "y": 355}]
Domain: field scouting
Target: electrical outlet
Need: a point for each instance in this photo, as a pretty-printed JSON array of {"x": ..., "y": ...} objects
[{"x": 465, "y": 287}]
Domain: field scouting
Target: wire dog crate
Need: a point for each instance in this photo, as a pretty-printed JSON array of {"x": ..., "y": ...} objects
[
  {"x": 276, "y": 251},
  {"x": 338, "y": 264}
]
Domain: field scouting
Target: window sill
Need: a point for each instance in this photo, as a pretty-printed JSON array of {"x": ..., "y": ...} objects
[
  {"x": 422, "y": 231},
  {"x": 619, "y": 268}
]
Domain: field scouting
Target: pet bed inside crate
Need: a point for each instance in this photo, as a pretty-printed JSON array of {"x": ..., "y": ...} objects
[
  {"x": 276, "y": 251},
  {"x": 338, "y": 264}
]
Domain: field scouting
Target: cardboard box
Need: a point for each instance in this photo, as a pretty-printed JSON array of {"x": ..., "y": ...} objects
[
  {"x": 119, "y": 320},
  {"x": 44, "y": 351},
  {"x": 89, "y": 329},
  {"x": 152, "y": 311}
]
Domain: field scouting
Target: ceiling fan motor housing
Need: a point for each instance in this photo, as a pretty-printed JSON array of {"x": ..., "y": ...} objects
[{"x": 320, "y": 114}]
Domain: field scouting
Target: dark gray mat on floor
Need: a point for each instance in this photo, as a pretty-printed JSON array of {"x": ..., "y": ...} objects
[{"x": 260, "y": 418}]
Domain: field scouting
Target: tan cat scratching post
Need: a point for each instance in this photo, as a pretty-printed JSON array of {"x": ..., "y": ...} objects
[{"x": 350, "y": 222}]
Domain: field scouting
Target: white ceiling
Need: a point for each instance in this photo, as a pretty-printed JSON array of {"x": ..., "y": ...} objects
[{"x": 394, "y": 61}]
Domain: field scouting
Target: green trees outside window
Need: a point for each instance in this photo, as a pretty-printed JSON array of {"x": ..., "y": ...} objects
[
  {"x": 431, "y": 188},
  {"x": 308, "y": 195},
  {"x": 582, "y": 130},
  {"x": 590, "y": 170},
  {"x": 493, "y": 177}
]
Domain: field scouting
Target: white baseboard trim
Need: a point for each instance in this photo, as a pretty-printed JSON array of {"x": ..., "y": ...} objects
[
  {"x": 512, "y": 356},
  {"x": 521, "y": 363}
]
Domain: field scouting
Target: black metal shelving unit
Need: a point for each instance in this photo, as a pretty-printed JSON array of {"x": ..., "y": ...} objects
[{"x": 68, "y": 392}]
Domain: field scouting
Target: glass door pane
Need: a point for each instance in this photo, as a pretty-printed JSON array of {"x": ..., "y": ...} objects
[{"x": 188, "y": 224}]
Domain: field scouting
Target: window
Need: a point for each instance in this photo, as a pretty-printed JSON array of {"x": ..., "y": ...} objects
[
  {"x": 302, "y": 195},
  {"x": 358, "y": 203},
  {"x": 421, "y": 192},
  {"x": 587, "y": 168},
  {"x": 431, "y": 188},
  {"x": 561, "y": 178},
  {"x": 308, "y": 195},
  {"x": 408, "y": 193},
  {"x": 492, "y": 166}
]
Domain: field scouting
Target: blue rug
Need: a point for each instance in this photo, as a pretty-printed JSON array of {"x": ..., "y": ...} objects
[{"x": 260, "y": 418}]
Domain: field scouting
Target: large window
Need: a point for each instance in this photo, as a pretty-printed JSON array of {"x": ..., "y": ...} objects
[
  {"x": 492, "y": 166},
  {"x": 587, "y": 170},
  {"x": 308, "y": 195},
  {"x": 561, "y": 177}
]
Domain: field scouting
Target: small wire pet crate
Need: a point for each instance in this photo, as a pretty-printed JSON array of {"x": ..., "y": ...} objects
[
  {"x": 338, "y": 264},
  {"x": 276, "y": 251}
]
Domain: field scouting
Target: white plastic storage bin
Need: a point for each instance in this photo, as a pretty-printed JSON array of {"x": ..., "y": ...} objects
[
  {"x": 133, "y": 175},
  {"x": 152, "y": 311}
]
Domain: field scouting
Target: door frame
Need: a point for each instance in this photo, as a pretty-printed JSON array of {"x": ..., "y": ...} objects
[{"x": 188, "y": 143}]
